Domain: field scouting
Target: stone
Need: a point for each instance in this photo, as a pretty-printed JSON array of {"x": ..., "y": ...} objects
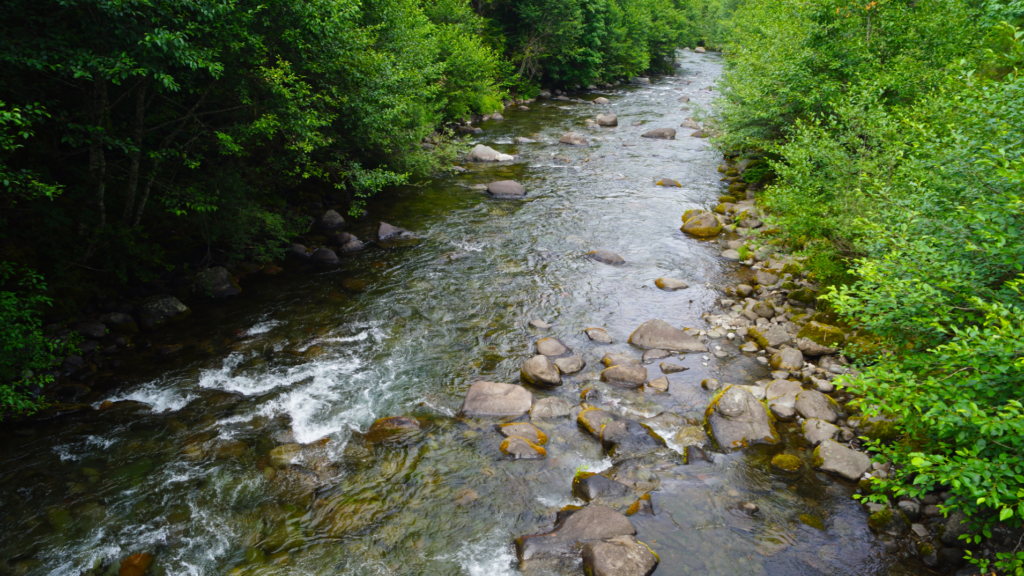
[
  {"x": 608, "y": 120},
  {"x": 598, "y": 335},
  {"x": 602, "y": 100},
  {"x": 522, "y": 449},
  {"x": 744, "y": 290},
  {"x": 506, "y": 190},
  {"x": 764, "y": 278},
  {"x": 698, "y": 50},
  {"x": 323, "y": 256},
  {"x": 651, "y": 355},
  {"x": 298, "y": 252},
  {"x": 710, "y": 384},
  {"x": 910, "y": 509},
  {"x": 135, "y": 565},
  {"x": 817, "y": 431},
  {"x": 668, "y": 182},
  {"x": 552, "y": 347},
  {"x": 787, "y": 359},
  {"x": 822, "y": 334},
  {"x": 574, "y": 527},
  {"x": 658, "y": 334},
  {"x": 497, "y": 116},
  {"x": 495, "y": 399},
  {"x": 684, "y": 99},
  {"x": 955, "y": 526},
  {"x": 811, "y": 348},
  {"x": 772, "y": 337},
  {"x": 522, "y": 140},
  {"x": 782, "y": 412},
  {"x": 814, "y": 404},
  {"x": 834, "y": 458},
  {"x": 563, "y": 159},
  {"x": 92, "y": 330},
  {"x": 660, "y": 133},
  {"x": 670, "y": 284},
  {"x": 731, "y": 254},
  {"x": 574, "y": 139},
  {"x": 540, "y": 371},
  {"x": 627, "y": 438},
  {"x": 889, "y": 521},
  {"x": 614, "y": 359},
  {"x": 388, "y": 232},
  {"x": 618, "y": 556},
  {"x": 539, "y": 324},
  {"x": 330, "y": 221},
  {"x": 588, "y": 487},
  {"x": 736, "y": 420},
  {"x": 122, "y": 323},
  {"x": 659, "y": 384},
  {"x": 592, "y": 419},
  {"x": 625, "y": 375},
  {"x": 550, "y": 408},
  {"x": 606, "y": 257},
  {"x": 703, "y": 225},
  {"x": 524, "y": 430},
  {"x": 787, "y": 463},
  {"x": 481, "y": 153},
  {"x": 689, "y": 123},
  {"x": 764, "y": 309},
  {"x": 570, "y": 365},
  {"x": 353, "y": 245},
  {"x": 388, "y": 428},
  {"x": 749, "y": 347},
  {"x": 667, "y": 368},
  {"x": 159, "y": 310}
]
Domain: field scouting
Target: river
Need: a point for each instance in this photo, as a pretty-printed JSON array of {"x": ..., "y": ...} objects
[{"x": 179, "y": 467}]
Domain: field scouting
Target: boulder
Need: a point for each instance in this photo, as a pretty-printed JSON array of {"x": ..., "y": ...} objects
[
  {"x": 667, "y": 368},
  {"x": 731, "y": 254},
  {"x": 592, "y": 419},
  {"x": 506, "y": 190},
  {"x": 625, "y": 375},
  {"x": 661, "y": 134},
  {"x": 94, "y": 330},
  {"x": 773, "y": 337},
  {"x": 618, "y": 556},
  {"x": 764, "y": 278},
  {"x": 497, "y": 116},
  {"x": 388, "y": 232},
  {"x": 699, "y": 50},
  {"x": 330, "y": 221},
  {"x": 655, "y": 354},
  {"x": 570, "y": 365},
  {"x": 735, "y": 419},
  {"x": 298, "y": 252},
  {"x": 814, "y": 404},
  {"x": 817, "y": 431},
  {"x": 602, "y": 100},
  {"x": 787, "y": 358},
  {"x": 522, "y": 449},
  {"x": 550, "y": 408},
  {"x": 628, "y": 438},
  {"x": 702, "y": 224},
  {"x": 495, "y": 399},
  {"x": 822, "y": 334},
  {"x": 574, "y": 527},
  {"x": 481, "y": 153},
  {"x": 340, "y": 239},
  {"x": 607, "y": 120},
  {"x": 524, "y": 430},
  {"x": 588, "y": 487},
  {"x": 615, "y": 359},
  {"x": 763, "y": 309},
  {"x": 539, "y": 324},
  {"x": 669, "y": 183},
  {"x": 670, "y": 284},
  {"x": 552, "y": 347},
  {"x": 324, "y": 256},
  {"x": 216, "y": 282},
  {"x": 353, "y": 245},
  {"x": 811, "y": 348},
  {"x": 606, "y": 257},
  {"x": 834, "y": 458},
  {"x": 574, "y": 139},
  {"x": 159, "y": 310},
  {"x": 658, "y": 334},
  {"x": 598, "y": 335},
  {"x": 384, "y": 429},
  {"x": 540, "y": 371}
]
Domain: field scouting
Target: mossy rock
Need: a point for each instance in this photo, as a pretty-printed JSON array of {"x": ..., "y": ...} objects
[
  {"x": 703, "y": 225},
  {"x": 804, "y": 296},
  {"x": 789, "y": 285},
  {"x": 787, "y": 463},
  {"x": 863, "y": 345},
  {"x": 822, "y": 334},
  {"x": 831, "y": 318},
  {"x": 737, "y": 187},
  {"x": 889, "y": 521},
  {"x": 724, "y": 208},
  {"x": 724, "y": 199},
  {"x": 794, "y": 268},
  {"x": 812, "y": 521},
  {"x": 689, "y": 214},
  {"x": 880, "y": 428}
]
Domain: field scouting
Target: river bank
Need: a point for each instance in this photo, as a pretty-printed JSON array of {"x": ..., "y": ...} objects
[{"x": 195, "y": 460}]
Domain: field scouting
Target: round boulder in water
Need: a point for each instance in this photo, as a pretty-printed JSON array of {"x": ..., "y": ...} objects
[
  {"x": 670, "y": 284},
  {"x": 496, "y": 399},
  {"x": 574, "y": 139},
  {"x": 599, "y": 335},
  {"x": 324, "y": 256},
  {"x": 384, "y": 429},
  {"x": 608, "y": 120},
  {"x": 702, "y": 224},
  {"x": 330, "y": 221},
  {"x": 618, "y": 556},
  {"x": 540, "y": 371},
  {"x": 602, "y": 100},
  {"x": 522, "y": 449},
  {"x": 506, "y": 189}
]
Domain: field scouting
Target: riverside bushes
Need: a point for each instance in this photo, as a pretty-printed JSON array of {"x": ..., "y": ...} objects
[{"x": 896, "y": 131}]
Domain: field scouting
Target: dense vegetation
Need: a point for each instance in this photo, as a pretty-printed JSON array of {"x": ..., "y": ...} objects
[{"x": 896, "y": 129}]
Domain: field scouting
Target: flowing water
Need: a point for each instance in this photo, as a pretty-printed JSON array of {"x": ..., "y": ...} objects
[{"x": 179, "y": 466}]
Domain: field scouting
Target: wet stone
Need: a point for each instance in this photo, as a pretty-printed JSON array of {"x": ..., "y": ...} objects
[
  {"x": 658, "y": 334},
  {"x": 539, "y": 324},
  {"x": 592, "y": 419},
  {"x": 324, "y": 256},
  {"x": 736, "y": 419},
  {"x": 618, "y": 556},
  {"x": 670, "y": 284},
  {"x": 522, "y": 449},
  {"x": 388, "y": 232},
  {"x": 659, "y": 384},
  {"x": 572, "y": 528},
  {"x": 570, "y": 365},
  {"x": 384, "y": 429},
  {"x": 540, "y": 371},
  {"x": 495, "y": 399},
  {"x": 573, "y": 139},
  {"x": 831, "y": 456},
  {"x": 506, "y": 190},
  {"x": 550, "y": 408},
  {"x": 524, "y": 430},
  {"x": 668, "y": 182},
  {"x": 787, "y": 358},
  {"x": 624, "y": 438},
  {"x": 607, "y": 120},
  {"x": 598, "y": 335},
  {"x": 552, "y": 348},
  {"x": 660, "y": 134},
  {"x": 606, "y": 257},
  {"x": 589, "y": 487},
  {"x": 814, "y": 404},
  {"x": 652, "y": 355},
  {"x": 615, "y": 359},
  {"x": 330, "y": 221},
  {"x": 283, "y": 456},
  {"x": 668, "y": 368},
  {"x": 625, "y": 375}
]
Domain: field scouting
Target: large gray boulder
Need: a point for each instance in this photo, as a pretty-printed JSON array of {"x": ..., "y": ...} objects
[
  {"x": 573, "y": 528},
  {"x": 506, "y": 190},
  {"x": 618, "y": 556},
  {"x": 540, "y": 371},
  {"x": 552, "y": 347},
  {"x": 658, "y": 334},
  {"x": 388, "y": 232},
  {"x": 496, "y": 399},
  {"x": 159, "y": 310},
  {"x": 570, "y": 365},
  {"x": 599, "y": 335},
  {"x": 817, "y": 431},
  {"x": 789, "y": 359},
  {"x": 736, "y": 419},
  {"x": 625, "y": 375},
  {"x": 330, "y": 221},
  {"x": 607, "y": 120},
  {"x": 589, "y": 487},
  {"x": 481, "y": 153},
  {"x": 831, "y": 456},
  {"x": 217, "y": 283},
  {"x": 661, "y": 133},
  {"x": 323, "y": 256},
  {"x": 814, "y": 404},
  {"x": 773, "y": 337}
]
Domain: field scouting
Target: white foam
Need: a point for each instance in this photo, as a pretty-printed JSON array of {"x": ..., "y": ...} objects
[
  {"x": 262, "y": 327},
  {"x": 159, "y": 396},
  {"x": 490, "y": 556}
]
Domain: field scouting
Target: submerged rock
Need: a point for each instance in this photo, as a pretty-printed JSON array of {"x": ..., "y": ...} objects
[
  {"x": 598, "y": 335},
  {"x": 670, "y": 284},
  {"x": 496, "y": 399},
  {"x": 384, "y": 429},
  {"x": 736, "y": 419},
  {"x": 522, "y": 449},
  {"x": 588, "y": 487},
  {"x": 574, "y": 139},
  {"x": 550, "y": 408},
  {"x": 540, "y": 371},
  {"x": 628, "y": 438},
  {"x": 524, "y": 430},
  {"x": 540, "y": 324},
  {"x": 667, "y": 368},
  {"x": 658, "y": 334},
  {"x": 660, "y": 133},
  {"x": 606, "y": 257},
  {"x": 506, "y": 190},
  {"x": 572, "y": 528},
  {"x": 570, "y": 365}
]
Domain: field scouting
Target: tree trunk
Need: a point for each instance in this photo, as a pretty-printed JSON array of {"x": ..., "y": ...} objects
[
  {"x": 136, "y": 156},
  {"x": 97, "y": 155}
]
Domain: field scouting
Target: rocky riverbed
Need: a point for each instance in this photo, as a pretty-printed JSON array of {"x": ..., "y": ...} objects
[{"x": 569, "y": 355}]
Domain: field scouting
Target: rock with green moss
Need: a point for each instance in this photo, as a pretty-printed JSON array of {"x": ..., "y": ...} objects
[
  {"x": 863, "y": 345},
  {"x": 724, "y": 208},
  {"x": 787, "y": 463},
  {"x": 889, "y": 521},
  {"x": 804, "y": 297},
  {"x": 703, "y": 225},
  {"x": 822, "y": 334},
  {"x": 735, "y": 419},
  {"x": 772, "y": 337},
  {"x": 881, "y": 428}
]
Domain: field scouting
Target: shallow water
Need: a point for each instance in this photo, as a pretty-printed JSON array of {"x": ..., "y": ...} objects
[{"x": 182, "y": 472}]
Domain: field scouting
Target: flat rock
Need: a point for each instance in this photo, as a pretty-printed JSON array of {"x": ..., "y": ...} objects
[
  {"x": 667, "y": 368},
  {"x": 574, "y": 139},
  {"x": 606, "y": 257},
  {"x": 598, "y": 335},
  {"x": 731, "y": 254},
  {"x": 506, "y": 190},
  {"x": 539, "y": 324},
  {"x": 591, "y": 419},
  {"x": 618, "y": 556},
  {"x": 659, "y": 384},
  {"x": 552, "y": 347},
  {"x": 384, "y": 429},
  {"x": 614, "y": 359},
  {"x": 668, "y": 182},
  {"x": 814, "y": 404},
  {"x": 817, "y": 431},
  {"x": 660, "y": 133},
  {"x": 625, "y": 375},
  {"x": 736, "y": 419},
  {"x": 589, "y": 487},
  {"x": 652, "y": 355},
  {"x": 540, "y": 371},
  {"x": 570, "y": 365},
  {"x": 524, "y": 430},
  {"x": 670, "y": 284},
  {"x": 573, "y": 528},
  {"x": 764, "y": 278},
  {"x": 658, "y": 334},
  {"x": 522, "y": 449},
  {"x": 831, "y": 456},
  {"x": 496, "y": 399},
  {"x": 550, "y": 408},
  {"x": 773, "y": 337}
]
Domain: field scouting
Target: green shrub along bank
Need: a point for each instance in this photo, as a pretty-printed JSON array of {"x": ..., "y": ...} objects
[
  {"x": 141, "y": 137},
  {"x": 896, "y": 131}
]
